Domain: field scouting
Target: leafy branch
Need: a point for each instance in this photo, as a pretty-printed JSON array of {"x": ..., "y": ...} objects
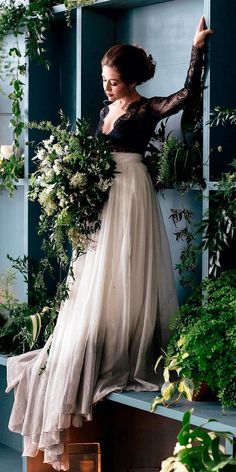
[
  {"x": 199, "y": 450},
  {"x": 32, "y": 19},
  {"x": 27, "y": 325},
  {"x": 187, "y": 267},
  {"x": 173, "y": 388}
]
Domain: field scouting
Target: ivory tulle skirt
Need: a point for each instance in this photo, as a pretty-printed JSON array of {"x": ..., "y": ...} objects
[{"x": 110, "y": 329}]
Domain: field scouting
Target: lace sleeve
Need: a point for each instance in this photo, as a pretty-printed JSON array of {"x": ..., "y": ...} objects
[{"x": 162, "y": 107}]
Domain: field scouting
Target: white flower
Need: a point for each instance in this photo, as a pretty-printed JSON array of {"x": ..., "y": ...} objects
[
  {"x": 47, "y": 202},
  {"x": 66, "y": 158},
  {"x": 60, "y": 193},
  {"x": 72, "y": 198},
  {"x": 45, "y": 162},
  {"x": 62, "y": 202},
  {"x": 47, "y": 143},
  {"x": 50, "y": 188},
  {"x": 104, "y": 184},
  {"x": 40, "y": 154},
  {"x": 58, "y": 149},
  {"x": 78, "y": 180},
  {"x": 57, "y": 167},
  {"x": 49, "y": 174}
]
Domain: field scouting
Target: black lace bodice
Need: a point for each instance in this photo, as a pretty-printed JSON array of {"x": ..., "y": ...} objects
[{"x": 133, "y": 130}]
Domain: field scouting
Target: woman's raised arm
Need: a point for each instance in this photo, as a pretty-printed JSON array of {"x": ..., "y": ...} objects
[{"x": 166, "y": 106}]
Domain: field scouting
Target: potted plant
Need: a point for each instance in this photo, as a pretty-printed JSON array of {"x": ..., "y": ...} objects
[
  {"x": 202, "y": 346},
  {"x": 198, "y": 450},
  {"x": 24, "y": 326}
]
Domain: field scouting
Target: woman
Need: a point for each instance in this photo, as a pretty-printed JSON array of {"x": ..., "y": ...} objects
[{"x": 116, "y": 317}]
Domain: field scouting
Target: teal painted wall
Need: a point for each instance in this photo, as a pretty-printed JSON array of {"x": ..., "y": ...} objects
[
  {"x": 166, "y": 30},
  {"x": 6, "y": 436},
  {"x": 49, "y": 92},
  {"x": 223, "y": 80}
]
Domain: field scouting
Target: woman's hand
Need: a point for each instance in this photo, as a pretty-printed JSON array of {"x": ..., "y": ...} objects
[{"x": 201, "y": 33}]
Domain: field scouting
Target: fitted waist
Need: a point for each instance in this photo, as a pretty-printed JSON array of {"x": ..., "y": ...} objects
[{"x": 126, "y": 157}]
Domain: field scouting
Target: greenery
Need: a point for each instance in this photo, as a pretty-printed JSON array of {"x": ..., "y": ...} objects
[
  {"x": 15, "y": 18},
  {"x": 10, "y": 170},
  {"x": 33, "y": 19},
  {"x": 178, "y": 164},
  {"x": 199, "y": 450},
  {"x": 24, "y": 326},
  {"x": 218, "y": 225},
  {"x": 223, "y": 116},
  {"x": 187, "y": 234},
  {"x": 174, "y": 162},
  {"x": 209, "y": 314},
  {"x": 72, "y": 182},
  {"x": 173, "y": 389}
]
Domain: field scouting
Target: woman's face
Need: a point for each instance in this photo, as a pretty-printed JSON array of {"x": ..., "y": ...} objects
[{"x": 113, "y": 86}]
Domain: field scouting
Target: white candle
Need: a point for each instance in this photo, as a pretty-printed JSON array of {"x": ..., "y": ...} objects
[
  {"x": 86, "y": 465},
  {"x": 6, "y": 151}
]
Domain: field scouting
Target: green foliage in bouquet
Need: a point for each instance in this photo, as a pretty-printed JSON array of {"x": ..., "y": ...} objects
[
  {"x": 198, "y": 450},
  {"x": 24, "y": 326},
  {"x": 71, "y": 184},
  {"x": 204, "y": 336}
]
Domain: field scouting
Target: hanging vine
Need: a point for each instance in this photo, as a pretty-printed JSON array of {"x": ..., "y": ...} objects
[{"x": 33, "y": 20}]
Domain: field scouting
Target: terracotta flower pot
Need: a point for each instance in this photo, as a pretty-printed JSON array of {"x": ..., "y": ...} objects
[{"x": 204, "y": 394}]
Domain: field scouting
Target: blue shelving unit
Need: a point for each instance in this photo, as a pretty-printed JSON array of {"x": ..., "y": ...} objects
[
  {"x": 166, "y": 29},
  {"x": 10, "y": 450}
]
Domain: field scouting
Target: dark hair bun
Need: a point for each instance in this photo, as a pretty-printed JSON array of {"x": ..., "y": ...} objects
[
  {"x": 146, "y": 64},
  {"x": 132, "y": 62}
]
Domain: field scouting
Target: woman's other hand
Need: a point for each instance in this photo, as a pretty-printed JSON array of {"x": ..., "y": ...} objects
[{"x": 201, "y": 33}]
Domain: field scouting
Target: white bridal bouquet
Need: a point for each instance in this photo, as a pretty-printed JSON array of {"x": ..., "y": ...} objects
[{"x": 72, "y": 181}]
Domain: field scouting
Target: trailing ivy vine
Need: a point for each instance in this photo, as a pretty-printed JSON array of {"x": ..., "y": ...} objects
[
  {"x": 219, "y": 223},
  {"x": 32, "y": 19}
]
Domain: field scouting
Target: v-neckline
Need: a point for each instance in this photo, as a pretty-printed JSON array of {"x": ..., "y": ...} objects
[{"x": 107, "y": 103}]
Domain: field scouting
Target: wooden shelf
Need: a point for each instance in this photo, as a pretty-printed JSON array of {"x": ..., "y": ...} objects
[{"x": 202, "y": 410}]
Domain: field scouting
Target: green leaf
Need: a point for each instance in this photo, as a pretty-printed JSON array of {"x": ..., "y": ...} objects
[
  {"x": 157, "y": 401},
  {"x": 166, "y": 374},
  {"x": 183, "y": 435},
  {"x": 215, "y": 449},
  {"x": 158, "y": 362},
  {"x": 15, "y": 52},
  {"x": 167, "y": 390},
  {"x": 34, "y": 324},
  {"x": 186, "y": 386},
  {"x": 200, "y": 435},
  {"x": 206, "y": 459}
]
